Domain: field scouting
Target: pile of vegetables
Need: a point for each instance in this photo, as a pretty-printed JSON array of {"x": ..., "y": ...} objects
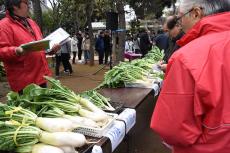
[
  {"x": 40, "y": 100},
  {"x": 137, "y": 71},
  {"x": 41, "y": 120},
  {"x": 21, "y": 130},
  {"x": 98, "y": 99},
  {"x": 155, "y": 54}
]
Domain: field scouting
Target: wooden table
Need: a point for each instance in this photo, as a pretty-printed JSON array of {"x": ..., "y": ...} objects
[
  {"x": 141, "y": 139},
  {"x": 130, "y": 97}
]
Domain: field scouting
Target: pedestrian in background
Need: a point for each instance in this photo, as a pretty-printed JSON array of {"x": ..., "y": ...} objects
[
  {"x": 79, "y": 45},
  {"x": 136, "y": 44},
  {"x": 64, "y": 56},
  {"x": 100, "y": 47},
  {"x": 86, "y": 47},
  {"x": 145, "y": 42},
  {"x": 74, "y": 48},
  {"x": 108, "y": 45},
  {"x": 162, "y": 38}
]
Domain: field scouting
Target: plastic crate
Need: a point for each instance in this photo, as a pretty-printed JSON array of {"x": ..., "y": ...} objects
[{"x": 97, "y": 132}]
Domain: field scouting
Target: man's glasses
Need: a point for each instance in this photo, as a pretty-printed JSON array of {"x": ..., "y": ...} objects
[
  {"x": 180, "y": 17},
  {"x": 176, "y": 20}
]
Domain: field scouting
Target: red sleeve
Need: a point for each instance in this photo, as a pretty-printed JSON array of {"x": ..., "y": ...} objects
[
  {"x": 7, "y": 51},
  {"x": 174, "y": 118}
]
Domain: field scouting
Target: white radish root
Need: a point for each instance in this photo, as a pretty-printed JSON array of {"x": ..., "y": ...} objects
[
  {"x": 54, "y": 124},
  {"x": 93, "y": 116},
  {"x": 43, "y": 148},
  {"x": 68, "y": 149},
  {"x": 81, "y": 121},
  {"x": 63, "y": 139}
]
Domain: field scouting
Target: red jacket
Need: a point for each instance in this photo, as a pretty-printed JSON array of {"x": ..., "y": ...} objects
[
  {"x": 192, "y": 112},
  {"x": 26, "y": 69}
]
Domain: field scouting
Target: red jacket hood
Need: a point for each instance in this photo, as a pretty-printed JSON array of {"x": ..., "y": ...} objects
[{"x": 207, "y": 25}]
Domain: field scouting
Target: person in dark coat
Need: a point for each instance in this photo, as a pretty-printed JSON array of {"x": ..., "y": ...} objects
[
  {"x": 145, "y": 42},
  {"x": 108, "y": 45},
  {"x": 79, "y": 45},
  {"x": 100, "y": 47},
  {"x": 162, "y": 39},
  {"x": 175, "y": 33}
]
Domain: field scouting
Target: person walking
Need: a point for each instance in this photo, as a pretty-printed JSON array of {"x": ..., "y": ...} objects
[
  {"x": 64, "y": 57},
  {"x": 74, "y": 48}
]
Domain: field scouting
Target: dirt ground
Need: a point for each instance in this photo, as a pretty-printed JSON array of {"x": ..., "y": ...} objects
[{"x": 84, "y": 77}]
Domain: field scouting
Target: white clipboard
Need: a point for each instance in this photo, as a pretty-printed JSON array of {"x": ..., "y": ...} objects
[{"x": 59, "y": 36}]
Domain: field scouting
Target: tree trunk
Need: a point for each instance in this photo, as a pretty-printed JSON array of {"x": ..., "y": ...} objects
[
  {"x": 37, "y": 10},
  {"x": 121, "y": 35},
  {"x": 89, "y": 6},
  {"x": 174, "y": 6}
]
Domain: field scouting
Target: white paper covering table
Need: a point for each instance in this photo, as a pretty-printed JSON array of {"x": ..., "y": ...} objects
[{"x": 126, "y": 120}]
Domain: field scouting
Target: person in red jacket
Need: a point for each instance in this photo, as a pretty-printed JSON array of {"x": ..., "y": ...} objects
[
  {"x": 192, "y": 113},
  {"x": 22, "y": 67}
]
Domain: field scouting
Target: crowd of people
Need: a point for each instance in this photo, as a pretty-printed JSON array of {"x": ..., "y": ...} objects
[{"x": 165, "y": 39}]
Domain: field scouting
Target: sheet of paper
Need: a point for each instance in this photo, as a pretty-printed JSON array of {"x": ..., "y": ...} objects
[
  {"x": 116, "y": 134},
  {"x": 129, "y": 116},
  {"x": 59, "y": 36}
]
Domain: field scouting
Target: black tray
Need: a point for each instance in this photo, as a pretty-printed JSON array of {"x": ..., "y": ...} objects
[{"x": 117, "y": 106}]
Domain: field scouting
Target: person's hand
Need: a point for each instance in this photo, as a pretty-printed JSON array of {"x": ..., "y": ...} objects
[
  {"x": 162, "y": 65},
  {"x": 20, "y": 51},
  {"x": 54, "y": 49}
]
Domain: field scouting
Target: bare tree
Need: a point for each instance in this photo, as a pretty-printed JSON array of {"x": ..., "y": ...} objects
[
  {"x": 89, "y": 6},
  {"x": 56, "y": 14},
  {"x": 121, "y": 35},
  {"x": 37, "y": 10}
]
